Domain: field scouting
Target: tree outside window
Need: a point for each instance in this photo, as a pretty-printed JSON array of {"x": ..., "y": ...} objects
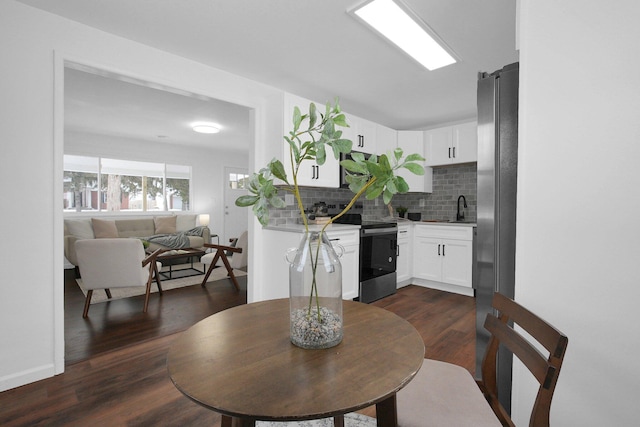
[{"x": 125, "y": 185}]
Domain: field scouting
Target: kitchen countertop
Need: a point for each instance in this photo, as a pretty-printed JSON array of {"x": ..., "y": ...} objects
[
  {"x": 448, "y": 224},
  {"x": 404, "y": 221},
  {"x": 299, "y": 228}
]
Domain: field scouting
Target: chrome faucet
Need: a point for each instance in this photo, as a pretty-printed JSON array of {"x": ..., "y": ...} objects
[{"x": 460, "y": 214}]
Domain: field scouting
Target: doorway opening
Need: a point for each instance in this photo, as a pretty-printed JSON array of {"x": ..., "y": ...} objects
[{"x": 111, "y": 115}]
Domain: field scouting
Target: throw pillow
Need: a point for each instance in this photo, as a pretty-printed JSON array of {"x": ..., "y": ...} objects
[
  {"x": 165, "y": 224},
  {"x": 104, "y": 228},
  {"x": 81, "y": 228},
  {"x": 185, "y": 222}
]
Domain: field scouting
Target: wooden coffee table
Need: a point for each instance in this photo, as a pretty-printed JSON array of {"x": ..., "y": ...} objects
[{"x": 240, "y": 363}]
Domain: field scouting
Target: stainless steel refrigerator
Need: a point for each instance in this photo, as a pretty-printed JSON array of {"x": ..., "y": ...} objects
[{"x": 496, "y": 230}]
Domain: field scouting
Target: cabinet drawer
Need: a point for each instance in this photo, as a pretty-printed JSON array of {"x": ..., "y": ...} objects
[
  {"x": 404, "y": 233},
  {"x": 445, "y": 232},
  {"x": 344, "y": 238}
]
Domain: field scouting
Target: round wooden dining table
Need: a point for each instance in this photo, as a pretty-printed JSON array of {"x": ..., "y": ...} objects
[{"x": 241, "y": 363}]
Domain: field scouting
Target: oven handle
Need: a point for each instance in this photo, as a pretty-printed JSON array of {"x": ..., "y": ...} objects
[{"x": 366, "y": 231}]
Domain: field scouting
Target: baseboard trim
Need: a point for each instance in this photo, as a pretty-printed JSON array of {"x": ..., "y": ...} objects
[
  {"x": 26, "y": 377},
  {"x": 462, "y": 290}
]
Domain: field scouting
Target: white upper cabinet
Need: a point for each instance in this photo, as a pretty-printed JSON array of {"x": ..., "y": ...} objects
[
  {"x": 451, "y": 144},
  {"x": 465, "y": 141},
  {"x": 386, "y": 140},
  {"x": 310, "y": 174},
  {"x": 363, "y": 134},
  {"x": 413, "y": 142}
]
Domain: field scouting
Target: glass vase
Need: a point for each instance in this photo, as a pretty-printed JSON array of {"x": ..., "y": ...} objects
[{"x": 315, "y": 292}]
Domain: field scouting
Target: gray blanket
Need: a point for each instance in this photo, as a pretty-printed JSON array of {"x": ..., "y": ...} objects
[{"x": 178, "y": 240}]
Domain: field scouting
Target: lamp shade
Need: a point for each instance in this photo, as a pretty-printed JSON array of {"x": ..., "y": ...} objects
[{"x": 204, "y": 219}]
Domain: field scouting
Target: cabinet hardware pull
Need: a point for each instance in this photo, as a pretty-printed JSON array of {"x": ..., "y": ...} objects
[
  {"x": 454, "y": 152},
  {"x": 443, "y": 250},
  {"x": 317, "y": 172},
  {"x": 398, "y": 250},
  {"x": 438, "y": 250},
  {"x": 333, "y": 240},
  {"x": 449, "y": 152}
]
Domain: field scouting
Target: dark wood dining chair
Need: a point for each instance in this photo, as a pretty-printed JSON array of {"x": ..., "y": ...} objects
[{"x": 443, "y": 394}]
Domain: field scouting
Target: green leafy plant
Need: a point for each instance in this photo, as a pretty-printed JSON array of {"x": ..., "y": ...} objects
[
  {"x": 314, "y": 135},
  {"x": 401, "y": 210}
]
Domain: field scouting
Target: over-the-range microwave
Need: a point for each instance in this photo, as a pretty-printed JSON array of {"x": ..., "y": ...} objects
[{"x": 343, "y": 172}]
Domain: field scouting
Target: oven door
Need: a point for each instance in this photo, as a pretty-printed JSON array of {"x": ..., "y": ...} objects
[{"x": 378, "y": 251}]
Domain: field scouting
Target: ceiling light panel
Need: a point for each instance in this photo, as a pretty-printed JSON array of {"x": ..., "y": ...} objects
[
  {"x": 416, "y": 39},
  {"x": 206, "y": 127}
]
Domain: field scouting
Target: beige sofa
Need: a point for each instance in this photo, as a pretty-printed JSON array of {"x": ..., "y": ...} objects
[{"x": 92, "y": 228}]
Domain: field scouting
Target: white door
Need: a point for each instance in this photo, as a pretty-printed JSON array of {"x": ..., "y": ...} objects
[{"x": 236, "y": 219}]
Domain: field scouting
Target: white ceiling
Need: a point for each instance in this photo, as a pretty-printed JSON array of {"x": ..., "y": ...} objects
[
  {"x": 104, "y": 104},
  {"x": 311, "y": 48}
]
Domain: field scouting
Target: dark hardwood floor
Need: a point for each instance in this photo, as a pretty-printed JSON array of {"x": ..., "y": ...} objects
[
  {"x": 116, "y": 373},
  {"x": 120, "y": 323}
]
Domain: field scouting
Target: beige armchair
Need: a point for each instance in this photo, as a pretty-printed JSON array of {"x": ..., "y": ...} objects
[{"x": 116, "y": 263}]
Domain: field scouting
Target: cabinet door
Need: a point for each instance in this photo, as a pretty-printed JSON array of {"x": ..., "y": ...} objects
[
  {"x": 465, "y": 143},
  {"x": 457, "y": 261},
  {"x": 413, "y": 142},
  {"x": 310, "y": 174},
  {"x": 405, "y": 254},
  {"x": 350, "y": 262},
  {"x": 386, "y": 140},
  {"x": 350, "y": 259},
  {"x": 427, "y": 263},
  {"x": 438, "y": 148},
  {"x": 403, "y": 266},
  {"x": 364, "y": 139}
]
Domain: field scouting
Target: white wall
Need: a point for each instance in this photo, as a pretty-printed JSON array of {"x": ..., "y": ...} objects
[
  {"x": 207, "y": 165},
  {"x": 578, "y": 245},
  {"x": 33, "y": 48}
]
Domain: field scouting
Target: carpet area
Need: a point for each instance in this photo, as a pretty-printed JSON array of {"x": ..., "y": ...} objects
[
  {"x": 220, "y": 273},
  {"x": 350, "y": 420}
]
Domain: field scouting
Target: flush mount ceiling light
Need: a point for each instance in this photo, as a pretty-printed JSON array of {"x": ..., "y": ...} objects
[
  {"x": 205, "y": 127},
  {"x": 407, "y": 32}
]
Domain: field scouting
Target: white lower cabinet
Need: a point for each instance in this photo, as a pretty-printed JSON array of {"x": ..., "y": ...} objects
[
  {"x": 281, "y": 241},
  {"x": 440, "y": 257},
  {"x": 443, "y": 254},
  {"x": 404, "y": 260},
  {"x": 350, "y": 260}
]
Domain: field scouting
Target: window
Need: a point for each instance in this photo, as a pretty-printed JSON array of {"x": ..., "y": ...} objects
[
  {"x": 124, "y": 185},
  {"x": 238, "y": 181}
]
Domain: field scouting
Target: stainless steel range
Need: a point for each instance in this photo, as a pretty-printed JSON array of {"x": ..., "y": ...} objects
[{"x": 378, "y": 255}]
